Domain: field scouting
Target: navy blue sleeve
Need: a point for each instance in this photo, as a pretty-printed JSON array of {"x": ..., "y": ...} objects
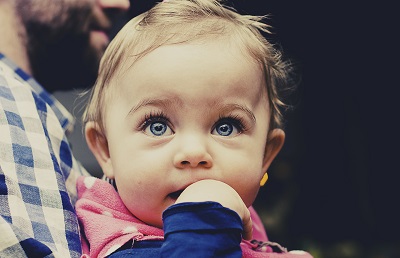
[{"x": 204, "y": 229}]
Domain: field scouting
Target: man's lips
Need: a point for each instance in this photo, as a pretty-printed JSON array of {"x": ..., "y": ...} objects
[
  {"x": 101, "y": 29},
  {"x": 101, "y": 33},
  {"x": 99, "y": 40}
]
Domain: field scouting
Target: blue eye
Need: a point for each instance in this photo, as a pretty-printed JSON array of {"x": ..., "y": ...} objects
[
  {"x": 158, "y": 128},
  {"x": 228, "y": 127},
  {"x": 224, "y": 129},
  {"x": 156, "y": 125}
]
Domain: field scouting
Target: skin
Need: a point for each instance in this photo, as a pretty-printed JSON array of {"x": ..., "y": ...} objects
[
  {"x": 185, "y": 155},
  {"x": 59, "y": 43}
]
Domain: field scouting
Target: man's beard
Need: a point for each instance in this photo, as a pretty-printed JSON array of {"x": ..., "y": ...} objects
[
  {"x": 58, "y": 43},
  {"x": 65, "y": 63}
]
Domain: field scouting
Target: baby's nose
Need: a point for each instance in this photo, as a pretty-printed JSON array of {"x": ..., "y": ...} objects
[{"x": 193, "y": 154}]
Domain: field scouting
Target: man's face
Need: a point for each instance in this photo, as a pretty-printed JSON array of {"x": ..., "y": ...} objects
[{"x": 66, "y": 38}]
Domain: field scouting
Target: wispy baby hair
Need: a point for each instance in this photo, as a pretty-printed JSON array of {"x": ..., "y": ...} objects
[{"x": 181, "y": 21}]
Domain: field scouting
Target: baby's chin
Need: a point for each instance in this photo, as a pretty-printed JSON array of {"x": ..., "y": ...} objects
[
  {"x": 155, "y": 222},
  {"x": 154, "y": 218}
]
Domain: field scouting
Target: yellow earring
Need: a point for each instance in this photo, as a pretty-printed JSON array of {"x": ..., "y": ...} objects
[{"x": 264, "y": 179}]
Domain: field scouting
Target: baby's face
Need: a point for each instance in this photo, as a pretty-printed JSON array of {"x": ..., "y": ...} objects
[{"x": 184, "y": 113}]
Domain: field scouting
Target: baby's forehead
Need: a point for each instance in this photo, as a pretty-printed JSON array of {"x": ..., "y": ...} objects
[
  {"x": 199, "y": 54},
  {"x": 209, "y": 71},
  {"x": 230, "y": 46}
]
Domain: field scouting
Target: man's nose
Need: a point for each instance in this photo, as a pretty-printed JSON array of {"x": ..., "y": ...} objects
[
  {"x": 192, "y": 153},
  {"x": 122, "y": 5}
]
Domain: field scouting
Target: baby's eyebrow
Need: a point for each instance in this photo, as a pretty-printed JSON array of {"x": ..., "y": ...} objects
[
  {"x": 156, "y": 102},
  {"x": 165, "y": 103},
  {"x": 231, "y": 107}
]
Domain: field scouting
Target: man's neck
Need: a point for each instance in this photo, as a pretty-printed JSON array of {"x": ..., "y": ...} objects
[{"x": 13, "y": 36}]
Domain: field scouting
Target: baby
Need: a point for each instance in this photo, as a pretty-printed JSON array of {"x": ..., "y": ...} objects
[{"x": 184, "y": 120}]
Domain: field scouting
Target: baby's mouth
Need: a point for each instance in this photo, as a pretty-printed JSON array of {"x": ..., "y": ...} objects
[{"x": 175, "y": 194}]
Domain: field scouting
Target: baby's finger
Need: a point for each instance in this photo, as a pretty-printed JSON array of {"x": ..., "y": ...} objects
[{"x": 247, "y": 226}]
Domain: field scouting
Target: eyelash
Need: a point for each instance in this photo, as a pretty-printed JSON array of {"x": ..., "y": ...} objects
[
  {"x": 159, "y": 116},
  {"x": 152, "y": 117}
]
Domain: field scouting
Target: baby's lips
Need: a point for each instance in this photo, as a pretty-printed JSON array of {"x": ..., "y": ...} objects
[{"x": 175, "y": 195}]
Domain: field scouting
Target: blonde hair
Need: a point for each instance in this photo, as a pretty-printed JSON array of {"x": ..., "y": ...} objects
[{"x": 179, "y": 21}]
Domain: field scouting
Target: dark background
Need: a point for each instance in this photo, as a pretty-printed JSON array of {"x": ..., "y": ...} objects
[{"x": 333, "y": 189}]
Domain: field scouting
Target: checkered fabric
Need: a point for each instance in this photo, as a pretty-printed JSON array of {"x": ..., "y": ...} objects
[{"x": 37, "y": 170}]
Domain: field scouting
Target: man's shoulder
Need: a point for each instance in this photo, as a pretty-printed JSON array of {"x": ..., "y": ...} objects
[
  {"x": 19, "y": 88},
  {"x": 11, "y": 81}
]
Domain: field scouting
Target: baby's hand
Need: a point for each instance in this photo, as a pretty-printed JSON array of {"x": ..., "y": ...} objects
[{"x": 216, "y": 191}]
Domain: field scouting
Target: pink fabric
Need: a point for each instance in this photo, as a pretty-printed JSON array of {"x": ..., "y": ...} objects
[
  {"x": 258, "y": 227},
  {"x": 107, "y": 224}
]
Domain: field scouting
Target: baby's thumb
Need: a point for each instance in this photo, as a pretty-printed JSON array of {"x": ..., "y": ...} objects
[{"x": 247, "y": 226}]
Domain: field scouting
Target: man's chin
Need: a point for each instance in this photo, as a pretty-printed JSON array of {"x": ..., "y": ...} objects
[
  {"x": 65, "y": 77},
  {"x": 62, "y": 81}
]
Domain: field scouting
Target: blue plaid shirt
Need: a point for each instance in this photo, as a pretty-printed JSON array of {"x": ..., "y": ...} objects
[{"x": 37, "y": 170}]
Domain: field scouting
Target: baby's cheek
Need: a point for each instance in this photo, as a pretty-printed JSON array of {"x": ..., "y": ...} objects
[
  {"x": 248, "y": 192},
  {"x": 250, "y": 196}
]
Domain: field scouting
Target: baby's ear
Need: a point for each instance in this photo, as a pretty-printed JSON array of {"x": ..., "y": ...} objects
[
  {"x": 275, "y": 141},
  {"x": 97, "y": 142}
]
